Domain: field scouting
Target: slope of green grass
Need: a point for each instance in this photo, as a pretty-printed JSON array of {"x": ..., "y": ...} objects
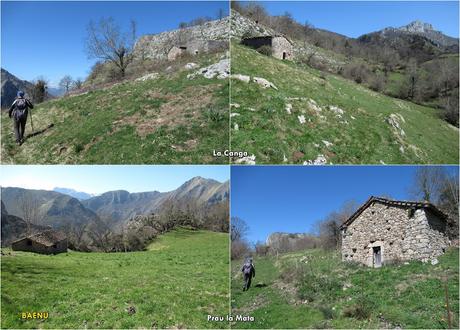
[
  {"x": 175, "y": 286},
  {"x": 171, "y": 119},
  {"x": 362, "y": 134},
  {"x": 314, "y": 289}
]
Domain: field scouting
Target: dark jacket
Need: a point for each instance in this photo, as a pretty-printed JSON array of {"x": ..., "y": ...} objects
[
  {"x": 248, "y": 269},
  {"x": 29, "y": 105}
]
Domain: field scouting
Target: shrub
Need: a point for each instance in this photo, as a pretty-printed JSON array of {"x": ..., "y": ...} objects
[
  {"x": 239, "y": 249},
  {"x": 361, "y": 310},
  {"x": 377, "y": 83},
  {"x": 78, "y": 148},
  {"x": 315, "y": 286},
  {"x": 358, "y": 72},
  {"x": 215, "y": 115}
]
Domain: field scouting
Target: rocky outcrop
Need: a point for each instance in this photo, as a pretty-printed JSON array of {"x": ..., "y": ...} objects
[
  {"x": 284, "y": 242},
  {"x": 242, "y": 26},
  {"x": 219, "y": 70},
  {"x": 193, "y": 40},
  {"x": 426, "y": 30}
]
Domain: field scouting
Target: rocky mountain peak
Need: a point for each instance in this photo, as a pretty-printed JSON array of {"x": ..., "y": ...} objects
[{"x": 417, "y": 27}]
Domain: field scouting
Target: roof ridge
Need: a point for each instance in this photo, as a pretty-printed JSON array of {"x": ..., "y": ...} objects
[{"x": 424, "y": 204}]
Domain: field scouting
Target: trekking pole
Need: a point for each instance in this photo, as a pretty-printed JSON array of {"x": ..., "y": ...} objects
[{"x": 31, "y": 121}]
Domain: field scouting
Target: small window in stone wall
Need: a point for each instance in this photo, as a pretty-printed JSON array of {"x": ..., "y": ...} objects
[
  {"x": 29, "y": 242},
  {"x": 410, "y": 213},
  {"x": 354, "y": 250}
]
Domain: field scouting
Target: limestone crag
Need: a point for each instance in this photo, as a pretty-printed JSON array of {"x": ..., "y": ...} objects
[
  {"x": 201, "y": 38},
  {"x": 245, "y": 27}
]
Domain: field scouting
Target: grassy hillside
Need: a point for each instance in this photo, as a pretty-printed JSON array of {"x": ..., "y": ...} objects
[
  {"x": 314, "y": 289},
  {"x": 182, "y": 278},
  {"x": 343, "y": 121},
  {"x": 170, "y": 119}
]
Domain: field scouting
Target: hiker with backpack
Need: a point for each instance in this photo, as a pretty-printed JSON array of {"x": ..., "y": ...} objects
[
  {"x": 249, "y": 271},
  {"x": 19, "y": 110}
]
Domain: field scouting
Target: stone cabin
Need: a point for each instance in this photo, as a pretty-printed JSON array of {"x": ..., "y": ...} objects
[
  {"x": 384, "y": 231},
  {"x": 195, "y": 47},
  {"x": 280, "y": 45},
  {"x": 45, "y": 242}
]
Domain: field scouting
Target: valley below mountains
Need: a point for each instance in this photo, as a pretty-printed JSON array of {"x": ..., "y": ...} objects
[{"x": 115, "y": 212}]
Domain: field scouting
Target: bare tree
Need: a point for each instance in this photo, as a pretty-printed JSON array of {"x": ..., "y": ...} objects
[
  {"x": 329, "y": 227},
  {"x": 65, "y": 83},
  {"x": 107, "y": 42},
  {"x": 77, "y": 83},
  {"x": 30, "y": 210},
  {"x": 427, "y": 183},
  {"x": 239, "y": 229}
]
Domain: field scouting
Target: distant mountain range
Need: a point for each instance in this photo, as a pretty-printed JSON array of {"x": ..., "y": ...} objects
[
  {"x": 73, "y": 193},
  {"x": 62, "y": 211},
  {"x": 120, "y": 205},
  {"x": 51, "y": 208}
]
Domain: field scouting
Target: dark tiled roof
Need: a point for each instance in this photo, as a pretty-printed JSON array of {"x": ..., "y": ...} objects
[
  {"x": 407, "y": 204},
  {"x": 48, "y": 237}
]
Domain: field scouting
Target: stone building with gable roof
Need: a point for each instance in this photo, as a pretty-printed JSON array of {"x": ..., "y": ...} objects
[
  {"x": 280, "y": 45},
  {"x": 382, "y": 231},
  {"x": 45, "y": 242}
]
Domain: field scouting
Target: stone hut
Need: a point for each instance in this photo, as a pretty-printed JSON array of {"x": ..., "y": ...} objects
[
  {"x": 175, "y": 52},
  {"x": 384, "y": 231},
  {"x": 195, "y": 47},
  {"x": 280, "y": 45},
  {"x": 45, "y": 242}
]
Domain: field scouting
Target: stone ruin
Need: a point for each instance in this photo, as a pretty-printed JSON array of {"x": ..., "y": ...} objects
[
  {"x": 204, "y": 38},
  {"x": 280, "y": 46},
  {"x": 384, "y": 231}
]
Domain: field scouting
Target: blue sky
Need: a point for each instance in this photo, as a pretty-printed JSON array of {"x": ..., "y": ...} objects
[
  {"x": 97, "y": 179},
  {"x": 359, "y": 17},
  {"x": 293, "y": 198},
  {"x": 47, "y": 38}
]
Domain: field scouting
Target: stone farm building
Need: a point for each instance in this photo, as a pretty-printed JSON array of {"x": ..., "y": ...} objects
[
  {"x": 194, "y": 47},
  {"x": 383, "y": 231},
  {"x": 46, "y": 242},
  {"x": 281, "y": 46}
]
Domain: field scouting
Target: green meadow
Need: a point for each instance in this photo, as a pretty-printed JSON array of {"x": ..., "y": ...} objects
[
  {"x": 342, "y": 120},
  {"x": 315, "y": 289},
  {"x": 176, "y": 283}
]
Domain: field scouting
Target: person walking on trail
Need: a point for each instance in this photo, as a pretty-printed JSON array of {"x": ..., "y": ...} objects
[
  {"x": 249, "y": 271},
  {"x": 18, "y": 111}
]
